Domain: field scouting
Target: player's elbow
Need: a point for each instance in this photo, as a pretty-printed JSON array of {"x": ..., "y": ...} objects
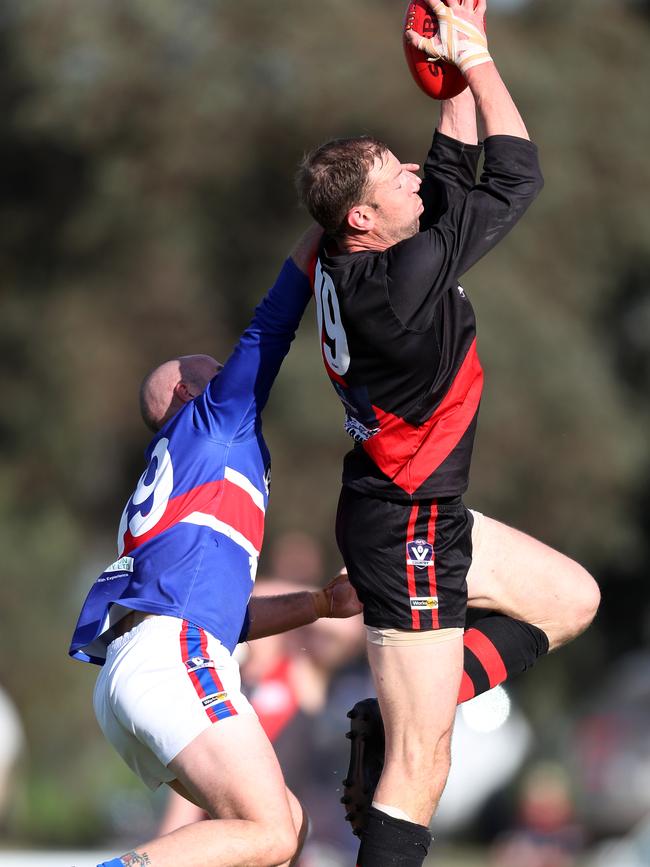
[{"x": 531, "y": 186}]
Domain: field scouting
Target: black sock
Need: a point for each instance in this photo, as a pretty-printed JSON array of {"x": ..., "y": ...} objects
[
  {"x": 390, "y": 842},
  {"x": 496, "y": 648}
]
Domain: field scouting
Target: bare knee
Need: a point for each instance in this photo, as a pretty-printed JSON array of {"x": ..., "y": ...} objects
[
  {"x": 588, "y": 600},
  {"x": 579, "y": 607},
  {"x": 583, "y": 603}
]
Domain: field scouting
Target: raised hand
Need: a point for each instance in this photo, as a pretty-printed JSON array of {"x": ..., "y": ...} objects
[{"x": 461, "y": 35}]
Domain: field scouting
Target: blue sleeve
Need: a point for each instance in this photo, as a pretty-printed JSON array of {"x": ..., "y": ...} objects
[{"x": 231, "y": 404}]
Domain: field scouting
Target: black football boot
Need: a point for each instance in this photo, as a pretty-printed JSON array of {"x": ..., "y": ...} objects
[{"x": 366, "y": 737}]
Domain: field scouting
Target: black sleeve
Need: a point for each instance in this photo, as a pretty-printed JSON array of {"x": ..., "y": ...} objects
[
  {"x": 449, "y": 174},
  {"x": 420, "y": 268}
]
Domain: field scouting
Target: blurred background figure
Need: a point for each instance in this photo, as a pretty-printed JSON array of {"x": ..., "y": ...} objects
[
  {"x": 610, "y": 748},
  {"x": 547, "y": 832},
  {"x": 297, "y": 556}
]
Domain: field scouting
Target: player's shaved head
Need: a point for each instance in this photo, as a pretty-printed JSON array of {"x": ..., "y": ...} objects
[{"x": 168, "y": 387}]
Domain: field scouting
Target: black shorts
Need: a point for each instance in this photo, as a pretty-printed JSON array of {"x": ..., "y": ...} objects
[{"x": 408, "y": 562}]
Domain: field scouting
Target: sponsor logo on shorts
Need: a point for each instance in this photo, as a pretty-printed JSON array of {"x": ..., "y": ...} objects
[
  {"x": 424, "y": 602},
  {"x": 215, "y": 698},
  {"x": 198, "y": 662},
  {"x": 419, "y": 553}
]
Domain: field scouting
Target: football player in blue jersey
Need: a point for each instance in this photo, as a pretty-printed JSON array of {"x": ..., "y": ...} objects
[{"x": 163, "y": 619}]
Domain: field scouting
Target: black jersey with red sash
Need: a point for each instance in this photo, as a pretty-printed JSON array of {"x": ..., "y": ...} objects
[{"x": 398, "y": 334}]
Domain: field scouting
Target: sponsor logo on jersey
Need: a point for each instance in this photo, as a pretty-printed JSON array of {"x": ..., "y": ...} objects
[
  {"x": 359, "y": 432},
  {"x": 215, "y": 698},
  {"x": 424, "y": 602},
  {"x": 124, "y": 564},
  {"x": 198, "y": 662},
  {"x": 461, "y": 292},
  {"x": 419, "y": 553}
]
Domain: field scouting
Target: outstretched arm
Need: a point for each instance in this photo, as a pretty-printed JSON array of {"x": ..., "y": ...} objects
[
  {"x": 269, "y": 615},
  {"x": 458, "y": 118},
  {"x": 457, "y": 236},
  {"x": 461, "y": 40},
  {"x": 451, "y": 164},
  {"x": 497, "y": 110},
  {"x": 230, "y": 406}
]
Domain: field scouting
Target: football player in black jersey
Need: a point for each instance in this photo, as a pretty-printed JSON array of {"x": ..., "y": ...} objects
[{"x": 399, "y": 343}]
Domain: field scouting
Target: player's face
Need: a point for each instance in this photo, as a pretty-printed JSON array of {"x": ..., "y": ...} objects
[{"x": 393, "y": 194}]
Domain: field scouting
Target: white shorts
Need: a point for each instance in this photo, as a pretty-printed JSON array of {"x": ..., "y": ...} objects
[{"x": 163, "y": 683}]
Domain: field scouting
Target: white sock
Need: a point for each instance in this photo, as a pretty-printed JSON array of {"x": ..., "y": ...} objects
[{"x": 395, "y": 812}]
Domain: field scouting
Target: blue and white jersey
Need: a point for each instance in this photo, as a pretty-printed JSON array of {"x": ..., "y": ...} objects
[{"x": 191, "y": 533}]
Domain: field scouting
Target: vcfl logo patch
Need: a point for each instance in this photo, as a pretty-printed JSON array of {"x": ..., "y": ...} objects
[
  {"x": 419, "y": 553},
  {"x": 196, "y": 663}
]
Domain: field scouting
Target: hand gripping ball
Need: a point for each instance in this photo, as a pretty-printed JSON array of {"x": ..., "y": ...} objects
[{"x": 437, "y": 78}]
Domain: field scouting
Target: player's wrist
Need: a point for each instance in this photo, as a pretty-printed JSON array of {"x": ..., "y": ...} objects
[
  {"x": 322, "y": 600},
  {"x": 473, "y": 59},
  {"x": 472, "y": 52},
  {"x": 480, "y": 78}
]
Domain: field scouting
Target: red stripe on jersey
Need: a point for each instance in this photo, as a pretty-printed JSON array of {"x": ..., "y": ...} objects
[
  {"x": 222, "y": 499},
  {"x": 237, "y": 509},
  {"x": 410, "y": 570},
  {"x": 433, "y": 584},
  {"x": 407, "y": 454},
  {"x": 487, "y": 655},
  {"x": 467, "y": 689}
]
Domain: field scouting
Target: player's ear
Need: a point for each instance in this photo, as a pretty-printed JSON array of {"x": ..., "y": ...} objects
[
  {"x": 361, "y": 218},
  {"x": 182, "y": 392}
]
